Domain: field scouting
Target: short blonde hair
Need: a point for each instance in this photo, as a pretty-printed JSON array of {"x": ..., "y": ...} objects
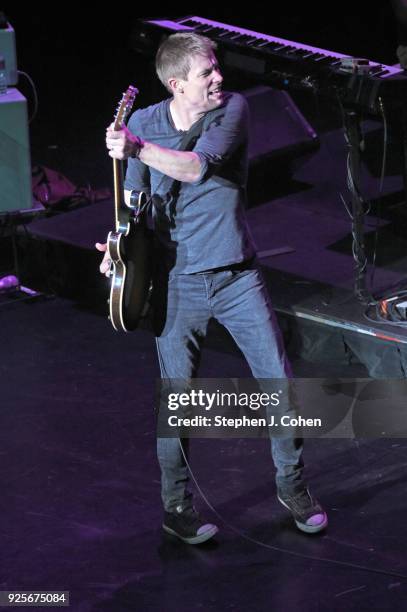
[{"x": 173, "y": 59}]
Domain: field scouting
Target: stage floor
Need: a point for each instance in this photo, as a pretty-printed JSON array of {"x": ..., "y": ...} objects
[{"x": 80, "y": 486}]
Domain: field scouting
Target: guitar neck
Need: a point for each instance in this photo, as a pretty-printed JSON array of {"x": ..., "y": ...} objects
[{"x": 118, "y": 174}]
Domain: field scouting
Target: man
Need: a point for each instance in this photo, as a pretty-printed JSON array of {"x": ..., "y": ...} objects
[{"x": 205, "y": 256}]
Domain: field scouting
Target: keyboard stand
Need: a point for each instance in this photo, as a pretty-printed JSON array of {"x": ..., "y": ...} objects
[{"x": 354, "y": 141}]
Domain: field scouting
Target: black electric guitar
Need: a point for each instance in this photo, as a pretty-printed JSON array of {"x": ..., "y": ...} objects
[{"x": 130, "y": 245}]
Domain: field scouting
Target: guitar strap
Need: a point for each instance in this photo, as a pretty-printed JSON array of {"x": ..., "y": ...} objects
[
  {"x": 189, "y": 139},
  {"x": 187, "y": 143},
  {"x": 171, "y": 186}
]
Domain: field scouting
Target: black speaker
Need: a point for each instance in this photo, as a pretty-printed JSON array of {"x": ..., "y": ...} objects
[
  {"x": 277, "y": 126},
  {"x": 281, "y": 140}
]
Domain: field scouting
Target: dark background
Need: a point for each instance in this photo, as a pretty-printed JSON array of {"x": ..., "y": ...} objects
[{"x": 81, "y": 62}]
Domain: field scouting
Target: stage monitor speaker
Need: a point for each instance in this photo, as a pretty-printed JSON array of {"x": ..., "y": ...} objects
[
  {"x": 277, "y": 127},
  {"x": 15, "y": 164},
  {"x": 8, "y": 51}
]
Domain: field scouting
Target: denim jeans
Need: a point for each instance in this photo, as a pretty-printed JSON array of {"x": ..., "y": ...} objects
[{"x": 237, "y": 298}]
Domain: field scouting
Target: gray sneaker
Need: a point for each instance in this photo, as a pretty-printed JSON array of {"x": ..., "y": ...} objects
[
  {"x": 307, "y": 512},
  {"x": 188, "y": 526}
]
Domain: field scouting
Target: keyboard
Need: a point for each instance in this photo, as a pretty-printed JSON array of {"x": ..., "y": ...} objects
[{"x": 287, "y": 64}]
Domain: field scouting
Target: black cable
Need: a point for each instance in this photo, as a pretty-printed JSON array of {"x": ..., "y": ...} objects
[
  {"x": 318, "y": 112},
  {"x": 286, "y": 551},
  {"x": 393, "y": 317},
  {"x": 382, "y": 175},
  {"x": 360, "y": 262},
  {"x": 27, "y": 76}
]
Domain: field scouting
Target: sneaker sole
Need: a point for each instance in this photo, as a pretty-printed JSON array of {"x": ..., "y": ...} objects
[
  {"x": 303, "y": 526},
  {"x": 199, "y": 539}
]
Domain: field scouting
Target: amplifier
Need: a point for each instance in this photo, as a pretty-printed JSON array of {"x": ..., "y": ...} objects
[
  {"x": 8, "y": 51},
  {"x": 15, "y": 164}
]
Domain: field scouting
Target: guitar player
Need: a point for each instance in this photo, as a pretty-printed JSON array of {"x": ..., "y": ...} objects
[{"x": 205, "y": 257}]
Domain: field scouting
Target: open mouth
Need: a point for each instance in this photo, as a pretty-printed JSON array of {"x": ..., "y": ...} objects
[{"x": 216, "y": 93}]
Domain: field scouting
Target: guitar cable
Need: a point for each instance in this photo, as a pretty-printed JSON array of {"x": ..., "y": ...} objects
[{"x": 286, "y": 551}]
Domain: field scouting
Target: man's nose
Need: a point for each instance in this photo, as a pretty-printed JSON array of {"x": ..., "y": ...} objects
[{"x": 217, "y": 75}]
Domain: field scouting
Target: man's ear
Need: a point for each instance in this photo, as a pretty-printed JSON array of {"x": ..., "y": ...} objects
[{"x": 176, "y": 85}]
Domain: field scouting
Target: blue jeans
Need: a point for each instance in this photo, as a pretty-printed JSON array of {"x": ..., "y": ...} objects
[{"x": 236, "y": 298}]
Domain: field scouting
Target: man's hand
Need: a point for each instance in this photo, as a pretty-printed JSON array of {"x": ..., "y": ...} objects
[
  {"x": 106, "y": 261},
  {"x": 122, "y": 144},
  {"x": 183, "y": 166}
]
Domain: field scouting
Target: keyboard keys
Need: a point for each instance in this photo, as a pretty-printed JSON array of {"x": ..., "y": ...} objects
[{"x": 270, "y": 45}]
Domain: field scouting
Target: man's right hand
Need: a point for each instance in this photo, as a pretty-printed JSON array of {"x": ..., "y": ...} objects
[
  {"x": 106, "y": 261},
  {"x": 122, "y": 144}
]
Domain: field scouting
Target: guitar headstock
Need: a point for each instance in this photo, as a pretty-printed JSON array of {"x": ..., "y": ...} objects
[{"x": 125, "y": 106}]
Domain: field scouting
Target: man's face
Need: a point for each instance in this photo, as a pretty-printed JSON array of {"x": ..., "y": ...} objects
[{"x": 202, "y": 90}]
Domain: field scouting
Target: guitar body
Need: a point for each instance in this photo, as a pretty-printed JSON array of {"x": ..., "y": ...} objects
[
  {"x": 129, "y": 246},
  {"x": 131, "y": 256}
]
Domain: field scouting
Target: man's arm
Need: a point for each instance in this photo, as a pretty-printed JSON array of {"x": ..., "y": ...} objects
[
  {"x": 183, "y": 166},
  {"x": 223, "y": 136}
]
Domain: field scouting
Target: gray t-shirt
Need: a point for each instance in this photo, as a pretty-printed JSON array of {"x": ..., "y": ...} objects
[{"x": 202, "y": 225}]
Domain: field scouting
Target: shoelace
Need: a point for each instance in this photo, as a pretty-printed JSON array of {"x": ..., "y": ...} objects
[
  {"x": 190, "y": 516},
  {"x": 303, "y": 502}
]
